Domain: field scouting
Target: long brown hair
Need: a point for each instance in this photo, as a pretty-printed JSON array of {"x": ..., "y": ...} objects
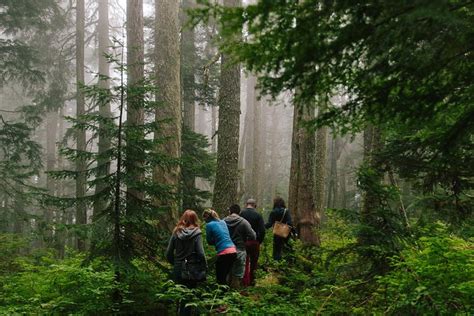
[{"x": 188, "y": 219}]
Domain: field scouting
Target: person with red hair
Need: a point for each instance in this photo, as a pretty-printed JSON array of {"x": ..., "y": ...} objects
[{"x": 185, "y": 250}]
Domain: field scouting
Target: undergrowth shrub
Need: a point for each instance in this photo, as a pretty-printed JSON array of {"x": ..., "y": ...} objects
[
  {"x": 434, "y": 277},
  {"x": 432, "y": 274},
  {"x": 57, "y": 287}
]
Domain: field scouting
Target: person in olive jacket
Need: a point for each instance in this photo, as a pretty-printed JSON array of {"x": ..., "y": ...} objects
[{"x": 281, "y": 214}]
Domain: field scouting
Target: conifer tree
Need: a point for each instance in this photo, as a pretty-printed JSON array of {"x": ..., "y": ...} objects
[
  {"x": 168, "y": 111},
  {"x": 225, "y": 188},
  {"x": 81, "y": 207},
  {"x": 104, "y": 107}
]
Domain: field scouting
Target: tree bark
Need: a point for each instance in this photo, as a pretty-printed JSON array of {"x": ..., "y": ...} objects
[
  {"x": 294, "y": 166},
  {"x": 188, "y": 66},
  {"x": 188, "y": 71},
  {"x": 81, "y": 208},
  {"x": 248, "y": 139},
  {"x": 61, "y": 234},
  {"x": 103, "y": 163},
  {"x": 225, "y": 190},
  {"x": 256, "y": 145},
  {"x": 135, "y": 112},
  {"x": 307, "y": 220},
  {"x": 262, "y": 174},
  {"x": 167, "y": 58},
  {"x": 274, "y": 134},
  {"x": 51, "y": 131},
  {"x": 320, "y": 175},
  {"x": 302, "y": 185},
  {"x": 372, "y": 144}
]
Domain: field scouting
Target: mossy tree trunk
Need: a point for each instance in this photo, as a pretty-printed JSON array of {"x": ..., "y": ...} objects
[
  {"x": 225, "y": 189},
  {"x": 168, "y": 110},
  {"x": 302, "y": 181}
]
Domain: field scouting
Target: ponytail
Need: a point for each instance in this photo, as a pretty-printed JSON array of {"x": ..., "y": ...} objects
[{"x": 210, "y": 213}]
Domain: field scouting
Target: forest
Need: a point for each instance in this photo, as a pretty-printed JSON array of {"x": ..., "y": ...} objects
[{"x": 120, "y": 118}]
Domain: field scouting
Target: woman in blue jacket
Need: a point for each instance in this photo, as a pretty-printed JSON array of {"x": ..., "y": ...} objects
[{"x": 217, "y": 234}]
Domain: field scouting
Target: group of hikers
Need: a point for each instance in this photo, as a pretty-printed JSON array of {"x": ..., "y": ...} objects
[{"x": 236, "y": 238}]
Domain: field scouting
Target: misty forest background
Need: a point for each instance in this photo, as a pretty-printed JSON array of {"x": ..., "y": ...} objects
[{"x": 117, "y": 115}]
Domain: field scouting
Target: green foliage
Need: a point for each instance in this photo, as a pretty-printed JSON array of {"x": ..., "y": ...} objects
[
  {"x": 20, "y": 160},
  {"x": 19, "y": 59},
  {"x": 56, "y": 287},
  {"x": 436, "y": 277},
  {"x": 403, "y": 65},
  {"x": 382, "y": 229},
  {"x": 9, "y": 251},
  {"x": 30, "y": 55},
  {"x": 129, "y": 230},
  {"x": 433, "y": 275},
  {"x": 196, "y": 162}
]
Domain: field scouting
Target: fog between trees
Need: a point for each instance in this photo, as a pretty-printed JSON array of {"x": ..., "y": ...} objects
[{"x": 118, "y": 115}]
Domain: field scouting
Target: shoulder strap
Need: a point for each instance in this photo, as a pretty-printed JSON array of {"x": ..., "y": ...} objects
[
  {"x": 284, "y": 213},
  {"x": 194, "y": 248}
]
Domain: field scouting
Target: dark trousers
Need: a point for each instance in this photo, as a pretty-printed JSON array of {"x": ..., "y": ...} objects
[
  {"x": 278, "y": 244},
  {"x": 252, "y": 247},
  {"x": 182, "y": 309},
  {"x": 223, "y": 267}
]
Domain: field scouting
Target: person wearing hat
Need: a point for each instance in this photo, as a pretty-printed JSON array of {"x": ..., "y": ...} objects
[{"x": 252, "y": 247}]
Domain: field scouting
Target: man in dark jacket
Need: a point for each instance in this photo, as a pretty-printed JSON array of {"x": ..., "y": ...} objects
[
  {"x": 253, "y": 246},
  {"x": 240, "y": 232}
]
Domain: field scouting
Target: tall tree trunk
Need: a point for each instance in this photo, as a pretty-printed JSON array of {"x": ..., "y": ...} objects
[
  {"x": 294, "y": 166},
  {"x": 81, "y": 208},
  {"x": 103, "y": 163},
  {"x": 241, "y": 166},
  {"x": 225, "y": 190},
  {"x": 51, "y": 131},
  {"x": 248, "y": 141},
  {"x": 274, "y": 135},
  {"x": 135, "y": 111},
  {"x": 262, "y": 174},
  {"x": 60, "y": 236},
  {"x": 307, "y": 220},
  {"x": 320, "y": 173},
  {"x": 188, "y": 70},
  {"x": 256, "y": 145},
  {"x": 169, "y": 98},
  {"x": 372, "y": 144},
  {"x": 188, "y": 66},
  {"x": 302, "y": 197}
]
